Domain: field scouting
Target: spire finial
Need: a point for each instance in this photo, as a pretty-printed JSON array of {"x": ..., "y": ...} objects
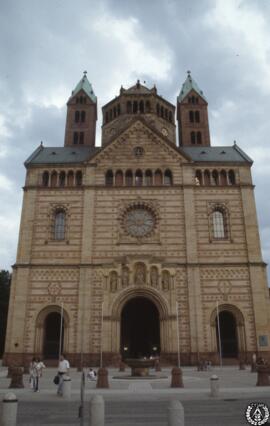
[
  {"x": 188, "y": 72},
  {"x": 84, "y": 73}
]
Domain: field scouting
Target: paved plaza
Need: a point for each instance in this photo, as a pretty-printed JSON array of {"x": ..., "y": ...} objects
[{"x": 131, "y": 402}]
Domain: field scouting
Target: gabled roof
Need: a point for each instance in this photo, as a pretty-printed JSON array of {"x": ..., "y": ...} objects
[
  {"x": 86, "y": 87},
  {"x": 138, "y": 89},
  {"x": 188, "y": 85},
  {"x": 216, "y": 154}
]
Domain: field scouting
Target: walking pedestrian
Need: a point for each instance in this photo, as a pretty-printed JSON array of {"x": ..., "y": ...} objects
[{"x": 63, "y": 369}]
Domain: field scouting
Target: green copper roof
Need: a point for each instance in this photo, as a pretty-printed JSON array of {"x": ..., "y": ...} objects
[
  {"x": 86, "y": 87},
  {"x": 190, "y": 84}
]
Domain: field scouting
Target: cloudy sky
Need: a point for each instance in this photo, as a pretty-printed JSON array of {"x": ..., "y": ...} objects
[{"x": 46, "y": 46}]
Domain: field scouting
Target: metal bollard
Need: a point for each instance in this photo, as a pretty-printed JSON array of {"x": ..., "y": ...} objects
[
  {"x": 214, "y": 385},
  {"x": 66, "y": 387},
  {"x": 97, "y": 411},
  {"x": 9, "y": 410},
  {"x": 176, "y": 415}
]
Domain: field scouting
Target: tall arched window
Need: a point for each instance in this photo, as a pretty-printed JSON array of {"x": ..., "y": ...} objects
[
  {"x": 77, "y": 116},
  {"x": 109, "y": 178},
  {"x": 129, "y": 178},
  {"x": 138, "y": 178},
  {"x": 129, "y": 107},
  {"x": 62, "y": 179},
  {"x": 198, "y": 178},
  {"x": 158, "y": 110},
  {"x": 158, "y": 177},
  {"x": 218, "y": 221},
  {"x": 45, "y": 179},
  {"x": 231, "y": 177},
  {"x": 83, "y": 116},
  {"x": 207, "y": 179},
  {"x": 166, "y": 113},
  {"x": 119, "y": 179},
  {"x": 197, "y": 116},
  {"x": 191, "y": 116},
  {"x": 106, "y": 117},
  {"x": 170, "y": 116},
  {"x": 114, "y": 112},
  {"x": 223, "y": 178},
  {"x": 81, "y": 138},
  {"x": 135, "y": 107},
  {"x": 168, "y": 180},
  {"x": 78, "y": 178},
  {"x": 141, "y": 107},
  {"x": 162, "y": 111},
  {"x": 148, "y": 178},
  {"x": 193, "y": 138},
  {"x": 147, "y": 106},
  {"x": 215, "y": 177},
  {"x": 199, "y": 138},
  {"x": 75, "y": 138},
  {"x": 118, "y": 109},
  {"x": 59, "y": 225}
]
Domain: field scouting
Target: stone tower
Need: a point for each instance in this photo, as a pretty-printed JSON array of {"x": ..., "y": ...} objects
[
  {"x": 192, "y": 115},
  {"x": 81, "y": 115}
]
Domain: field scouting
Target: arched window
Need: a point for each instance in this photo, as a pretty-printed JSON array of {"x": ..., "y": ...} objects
[
  {"x": 197, "y": 116},
  {"x": 135, "y": 107},
  {"x": 119, "y": 179},
  {"x": 78, "y": 178},
  {"x": 158, "y": 177},
  {"x": 162, "y": 111},
  {"x": 215, "y": 177},
  {"x": 54, "y": 179},
  {"x": 147, "y": 106},
  {"x": 231, "y": 177},
  {"x": 223, "y": 178},
  {"x": 83, "y": 116},
  {"x": 110, "y": 114},
  {"x": 75, "y": 138},
  {"x": 129, "y": 107},
  {"x": 166, "y": 113},
  {"x": 129, "y": 178},
  {"x": 193, "y": 100},
  {"x": 141, "y": 107},
  {"x": 218, "y": 222},
  {"x": 170, "y": 116},
  {"x": 168, "y": 177},
  {"x": 70, "y": 178},
  {"x": 81, "y": 138},
  {"x": 106, "y": 117},
  {"x": 198, "y": 178},
  {"x": 148, "y": 178},
  {"x": 193, "y": 138},
  {"x": 207, "y": 179},
  {"x": 114, "y": 112},
  {"x": 109, "y": 178},
  {"x": 59, "y": 225},
  {"x": 45, "y": 179},
  {"x": 199, "y": 138},
  {"x": 77, "y": 116},
  {"x": 81, "y": 99},
  {"x": 138, "y": 178},
  {"x": 62, "y": 179},
  {"x": 158, "y": 110},
  {"x": 191, "y": 116},
  {"x": 118, "y": 109}
]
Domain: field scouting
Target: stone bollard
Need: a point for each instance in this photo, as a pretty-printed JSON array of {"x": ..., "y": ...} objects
[
  {"x": 9, "y": 410},
  {"x": 97, "y": 411},
  {"x": 122, "y": 366},
  {"x": 214, "y": 385},
  {"x": 102, "y": 380},
  {"x": 177, "y": 379},
  {"x": 263, "y": 375},
  {"x": 176, "y": 416},
  {"x": 66, "y": 387},
  {"x": 16, "y": 378}
]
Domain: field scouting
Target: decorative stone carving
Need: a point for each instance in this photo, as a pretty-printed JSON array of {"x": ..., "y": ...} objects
[
  {"x": 54, "y": 289},
  {"x": 140, "y": 274},
  {"x": 224, "y": 288},
  {"x": 165, "y": 280},
  {"x": 154, "y": 276},
  {"x": 125, "y": 277},
  {"x": 113, "y": 281}
]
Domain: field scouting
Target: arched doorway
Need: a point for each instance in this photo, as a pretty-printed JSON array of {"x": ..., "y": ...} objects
[
  {"x": 140, "y": 328},
  {"x": 228, "y": 335},
  {"x": 51, "y": 340}
]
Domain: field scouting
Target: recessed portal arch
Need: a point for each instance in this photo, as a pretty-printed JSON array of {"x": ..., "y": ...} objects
[{"x": 140, "y": 328}]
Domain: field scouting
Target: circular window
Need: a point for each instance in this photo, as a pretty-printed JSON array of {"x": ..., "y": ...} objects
[
  {"x": 139, "y": 222},
  {"x": 138, "y": 151}
]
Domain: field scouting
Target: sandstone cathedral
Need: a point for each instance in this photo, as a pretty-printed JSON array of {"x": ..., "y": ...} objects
[{"x": 139, "y": 240}]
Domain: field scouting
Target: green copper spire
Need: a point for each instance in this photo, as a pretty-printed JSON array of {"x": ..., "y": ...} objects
[
  {"x": 86, "y": 87},
  {"x": 190, "y": 84}
]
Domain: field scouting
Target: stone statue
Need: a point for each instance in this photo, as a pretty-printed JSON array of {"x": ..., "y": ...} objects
[
  {"x": 140, "y": 274},
  {"x": 154, "y": 277},
  {"x": 165, "y": 280},
  {"x": 113, "y": 281},
  {"x": 125, "y": 277}
]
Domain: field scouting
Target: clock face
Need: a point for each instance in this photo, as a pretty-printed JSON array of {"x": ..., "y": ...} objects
[{"x": 139, "y": 222}]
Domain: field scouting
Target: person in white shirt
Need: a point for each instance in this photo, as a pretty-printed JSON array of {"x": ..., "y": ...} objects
[{"x": 63, "y": 368}]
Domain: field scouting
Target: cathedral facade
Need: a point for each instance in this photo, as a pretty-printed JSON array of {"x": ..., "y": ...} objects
[{"x": 141, "y": 246}]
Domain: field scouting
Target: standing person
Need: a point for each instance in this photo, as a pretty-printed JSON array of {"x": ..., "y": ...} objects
[
  {"x": 63, "y": 368},
  {"x": 39, "y": 366},
  {"x": 32, "y": 373}
]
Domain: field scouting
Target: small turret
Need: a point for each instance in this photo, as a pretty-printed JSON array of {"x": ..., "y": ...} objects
[
  {"x": 192, "y": 115},
  {"x": 81, "y": 115}
]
